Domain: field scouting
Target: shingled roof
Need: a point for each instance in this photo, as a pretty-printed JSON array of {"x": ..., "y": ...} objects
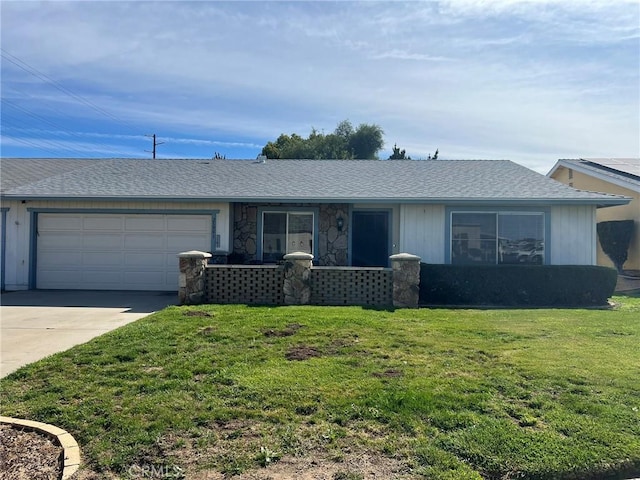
[
  {"x": 399, "y": 181},
  {"x": 16, "y": 172}
]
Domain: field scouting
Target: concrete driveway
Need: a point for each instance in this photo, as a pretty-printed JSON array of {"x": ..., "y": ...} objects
[{"x": 37, "y": 323}]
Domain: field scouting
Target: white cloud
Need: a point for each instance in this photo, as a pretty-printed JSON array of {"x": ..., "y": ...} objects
[{"x": 504, "y": 78}]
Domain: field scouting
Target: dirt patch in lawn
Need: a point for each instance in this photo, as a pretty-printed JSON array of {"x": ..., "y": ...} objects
[
  {"x": 351, "y": 467},
  {"x": 302, "y": 352},
  {"x": 288, "y": 331},
  {"x": 28, "y": 455},
  {"x": 313, "y": 459},
  {"x": 391, "y": 373}
]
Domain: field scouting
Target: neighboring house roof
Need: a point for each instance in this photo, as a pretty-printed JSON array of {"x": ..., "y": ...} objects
[
  {"x": 434, "y": 181},
  {"x": 624, "y": 172}
]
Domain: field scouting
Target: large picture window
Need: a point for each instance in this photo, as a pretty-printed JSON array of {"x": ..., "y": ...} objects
[
  {"x": 497, "y": 238},
  {"x": 286, "y": 232}
]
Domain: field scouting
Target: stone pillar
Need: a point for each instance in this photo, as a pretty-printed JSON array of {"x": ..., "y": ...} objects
[
  {"x": 406, "y": 280},
  {"x": 191, "y": 280},
  {"x": 297, "y": 281}
]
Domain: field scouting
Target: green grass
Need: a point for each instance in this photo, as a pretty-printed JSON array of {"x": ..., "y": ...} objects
[{"x": 538, "y": 394}]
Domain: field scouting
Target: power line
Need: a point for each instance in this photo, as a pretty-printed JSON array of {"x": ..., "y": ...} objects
[
  {"x": 54, "y": 125},
  {"x": 42, "y": 143},
  {"x": 31, "y": 144},
  {"x": 49, "y": 141},
  {"x": 42, "y": 76},
  {"x": 43, "y": 103}
]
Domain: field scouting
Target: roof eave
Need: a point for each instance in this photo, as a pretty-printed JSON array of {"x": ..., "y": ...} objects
[{"x": 599, "y": 202}]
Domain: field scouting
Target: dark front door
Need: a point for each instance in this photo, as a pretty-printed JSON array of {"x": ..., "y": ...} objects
[{"x": 370, "y": 241}]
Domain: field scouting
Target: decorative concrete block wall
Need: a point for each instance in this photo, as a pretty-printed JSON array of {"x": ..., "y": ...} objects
[
  {"x": 351, "y": 286},
  {"x": 298, "y": 282},
  {"x": 247, "y": 284}
]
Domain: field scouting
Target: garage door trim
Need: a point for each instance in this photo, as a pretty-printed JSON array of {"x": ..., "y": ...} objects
[{"x": 33, "y": 221}]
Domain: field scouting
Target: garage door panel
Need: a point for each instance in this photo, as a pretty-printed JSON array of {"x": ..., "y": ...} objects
[
  {"x": 58, "y": 222},
  {"x": 152, "y": 279},
  {"x": 143, "y": 241},
  {"x": 172, "y": 261},
  {"x": 143, "y": 260},
  {"x": 116, "y": 252},
  {"x": 184, "y": 224},
  {"x": 63, "y": 277},
  {"x": 61, "y": 260},
  {"x": 102, "y": 259},
  {"x": 104, "y": 241},
  {"x": 96, "y": 278},
  {"x": 59, "y": 240},
  {"x": 104, "y": 222},
  {"x": 155, "y": 223}
]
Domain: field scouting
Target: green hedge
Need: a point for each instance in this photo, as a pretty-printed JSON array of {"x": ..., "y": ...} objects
[{"x": 516, "y": 285}]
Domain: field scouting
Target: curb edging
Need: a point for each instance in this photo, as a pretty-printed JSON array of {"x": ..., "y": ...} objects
[{"x": 70, "y": 448}]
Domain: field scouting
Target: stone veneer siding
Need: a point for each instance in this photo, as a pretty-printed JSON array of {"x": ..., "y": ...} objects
[{"x": 332, "y": 245}]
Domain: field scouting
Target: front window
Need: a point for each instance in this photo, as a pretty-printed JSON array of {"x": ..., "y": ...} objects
[
  {"x": 286, "y": 232},
  {"x": 497, "y": 238}
]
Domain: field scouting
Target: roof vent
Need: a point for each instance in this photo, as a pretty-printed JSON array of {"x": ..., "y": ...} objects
[{"x": 261, "y": 159}]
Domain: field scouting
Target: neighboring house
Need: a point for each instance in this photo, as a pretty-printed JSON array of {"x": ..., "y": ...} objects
[
  {"x": 118, "y": 224},
  {"x": 619, "y": 176}
]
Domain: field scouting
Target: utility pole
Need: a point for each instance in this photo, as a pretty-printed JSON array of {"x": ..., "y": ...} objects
[{"x": 155, "y": 144}]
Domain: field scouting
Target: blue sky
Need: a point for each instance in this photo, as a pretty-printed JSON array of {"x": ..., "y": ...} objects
[{"x": 527, "y": 81}]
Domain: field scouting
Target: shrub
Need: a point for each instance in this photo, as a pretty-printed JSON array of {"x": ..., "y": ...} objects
[
  {"x": 516, "y": 285},
  {"x": 615, "y": 237}
]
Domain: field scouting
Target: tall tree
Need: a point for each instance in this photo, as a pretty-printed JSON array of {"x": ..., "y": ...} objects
[{"x": 345, "y": 142}]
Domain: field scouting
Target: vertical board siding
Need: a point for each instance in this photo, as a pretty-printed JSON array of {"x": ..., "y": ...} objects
[
  {"x": 17, "y": 246},
  {"x": 573, "y": 235},
  {"x": 422, "y": 231}
]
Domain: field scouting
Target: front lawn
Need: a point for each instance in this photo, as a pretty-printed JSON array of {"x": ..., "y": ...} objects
[{"x": 213, "y": 391}]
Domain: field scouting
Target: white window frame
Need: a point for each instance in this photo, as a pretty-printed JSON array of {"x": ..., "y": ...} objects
[{"x": 288, "y": 213}]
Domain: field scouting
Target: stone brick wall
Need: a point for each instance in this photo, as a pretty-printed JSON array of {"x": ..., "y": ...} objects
[
  {"x": 332, "y": 243},
  {"x": 245, "y": 236}
]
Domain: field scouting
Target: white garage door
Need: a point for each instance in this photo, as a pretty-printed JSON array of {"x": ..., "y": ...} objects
[{"x": 116, "y": 252}]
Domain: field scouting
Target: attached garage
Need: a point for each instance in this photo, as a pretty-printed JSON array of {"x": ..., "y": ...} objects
[{"x": 101, "y": 251}]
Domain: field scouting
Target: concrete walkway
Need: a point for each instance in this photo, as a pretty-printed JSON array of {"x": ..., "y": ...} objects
[
  {"x": 37, "y": 323},
  {"x": 627, "y": 284}
]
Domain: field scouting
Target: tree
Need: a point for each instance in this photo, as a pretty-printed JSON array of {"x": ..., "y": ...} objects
[
  {"x": 344, "y": 143},
  {"x": 398, "y": 154},
  {"x": 615, "y": 237},
  {"x": 344, "y": 129},
  {"x": 435, "y": 156},
  {"x": 366, "y": 142}
]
